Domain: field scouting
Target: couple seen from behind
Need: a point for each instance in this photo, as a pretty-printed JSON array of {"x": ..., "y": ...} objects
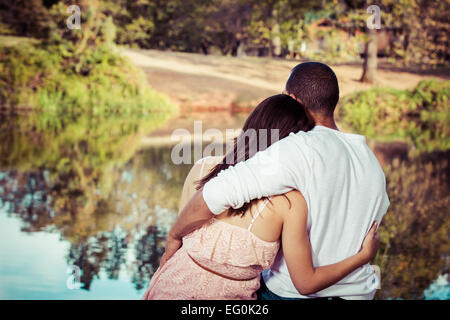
[{"x": 280, "y": 220}]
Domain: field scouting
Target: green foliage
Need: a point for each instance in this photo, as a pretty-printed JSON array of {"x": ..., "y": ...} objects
[
  {"x": 336, "y": 47},
  {"x": 24, "y": 18},
  {"x": 422, "y": 28},
  {"x": 176, "y": 25},
  {"x": 76, "y": 71},
  {"x": 136, "y": 32},
  {"x": 420, "y": 116},
  {"x": 5, "y": 29},
  {"x": 34, "y": 77},
  {"x": 419, "y": 29}
]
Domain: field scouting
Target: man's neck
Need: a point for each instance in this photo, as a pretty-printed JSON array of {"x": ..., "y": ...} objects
[{"x": 326, "y": 122}]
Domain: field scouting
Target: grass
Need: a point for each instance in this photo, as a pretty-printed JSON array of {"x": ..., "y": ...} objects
[{"x": 420, "y": 116}]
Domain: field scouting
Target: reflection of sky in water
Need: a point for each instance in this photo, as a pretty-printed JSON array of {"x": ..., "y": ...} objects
[
  {"x": 439, "y": 289},
  {"x": 33, "y": 266}
]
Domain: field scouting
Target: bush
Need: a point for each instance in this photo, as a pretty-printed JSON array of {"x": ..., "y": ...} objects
[
  {"x": 420, "y": 116},
  {"x": 38, "y": 78}
]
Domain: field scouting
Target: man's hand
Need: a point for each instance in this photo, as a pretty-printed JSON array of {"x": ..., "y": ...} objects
[
  {"x": 370, "y": 244},
  {"x": 172, "y": 246}
]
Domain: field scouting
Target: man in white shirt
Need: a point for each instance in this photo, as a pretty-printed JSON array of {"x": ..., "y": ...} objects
[{"x": 338, "y": 175}]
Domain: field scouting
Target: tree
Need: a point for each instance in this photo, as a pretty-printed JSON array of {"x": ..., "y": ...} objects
[
  {"x": 419, "y": 31},
  {"x": 370, "y": 58},
  {"x": 356, "y": 18},
  {"x": 225, "y": 25},
  {"x": 275, "y": 23},
  {"x": 24, "y": 17}
]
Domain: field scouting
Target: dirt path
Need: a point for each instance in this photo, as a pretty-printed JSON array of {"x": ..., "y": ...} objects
[
  {"x": 226, "y": 85},
  {"x": 199, "y": 81}
]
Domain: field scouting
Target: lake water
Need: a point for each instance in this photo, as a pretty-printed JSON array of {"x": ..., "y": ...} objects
[
  {"x": 84, "y": 211},
  {"x": 116, "y": 247}
]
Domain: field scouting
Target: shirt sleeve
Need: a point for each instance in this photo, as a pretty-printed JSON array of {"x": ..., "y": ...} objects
[{"x": 278, "y": 169}]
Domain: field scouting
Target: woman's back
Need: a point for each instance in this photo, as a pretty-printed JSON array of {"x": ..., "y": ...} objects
[{"x": 263, "y": 215}]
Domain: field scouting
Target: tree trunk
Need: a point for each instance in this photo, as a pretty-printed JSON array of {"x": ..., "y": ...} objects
[
  {"x": 276, "y": 41},
  {"x": 370, "y": 58},
  {"x": 205, "y": 48}
]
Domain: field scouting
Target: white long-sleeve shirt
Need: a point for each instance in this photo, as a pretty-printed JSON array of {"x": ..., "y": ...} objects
[{"x": 343, "y": 185}]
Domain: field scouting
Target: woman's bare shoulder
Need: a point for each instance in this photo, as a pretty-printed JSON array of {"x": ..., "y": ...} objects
[
  {"x": 208, "y": 161},
  {"x": 202, "y": 167}
]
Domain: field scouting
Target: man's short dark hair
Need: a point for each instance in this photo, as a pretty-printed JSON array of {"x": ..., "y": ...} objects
[{"x": 316, "y": 86}]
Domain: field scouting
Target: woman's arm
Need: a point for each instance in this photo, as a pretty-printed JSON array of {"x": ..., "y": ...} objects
[
  {"x": 297, "y": 251},
  {"x": 189, "y": 222},
  {"x": 189, "y": 186}
]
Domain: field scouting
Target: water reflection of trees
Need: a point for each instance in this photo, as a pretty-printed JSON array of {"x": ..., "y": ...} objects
[
  {"x": 135, "y": 216},
  {"x": 25, "y": 194},
  {"x": 149, "y": 248},
  {"x": 74, "y": 178},
  {"x": 414, "y": 234}
]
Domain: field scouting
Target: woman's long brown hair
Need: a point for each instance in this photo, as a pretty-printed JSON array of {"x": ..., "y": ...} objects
[{"x": 280, "y": 112}]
